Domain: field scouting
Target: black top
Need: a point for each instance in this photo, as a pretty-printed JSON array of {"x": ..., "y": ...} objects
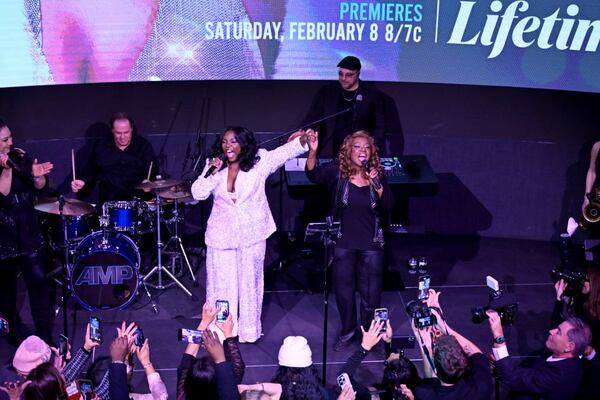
[
  {"x": 358, "y": 219},
  {"x": 368, "y": 115},
  {"x": 119, "y": 171},
  {"x": 19, "y": 229},
  {"x": 339, "y": 190},
  {"x": 478, "y": 384}
]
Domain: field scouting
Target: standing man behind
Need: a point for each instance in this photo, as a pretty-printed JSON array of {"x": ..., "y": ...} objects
[
  {"x": 119, "y": 163},
  {"x": 366, "y": 114}
]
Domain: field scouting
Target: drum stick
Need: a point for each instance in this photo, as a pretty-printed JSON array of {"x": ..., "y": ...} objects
[
  {"x": 73, "y": 163},
  {"x": 150, "y": 169}
]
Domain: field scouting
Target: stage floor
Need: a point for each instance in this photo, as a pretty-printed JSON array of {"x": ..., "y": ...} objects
[{"x": 458, "y": 267}]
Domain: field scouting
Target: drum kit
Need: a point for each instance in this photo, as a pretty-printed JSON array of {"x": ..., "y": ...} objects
[{"x": 101, "y": 254}]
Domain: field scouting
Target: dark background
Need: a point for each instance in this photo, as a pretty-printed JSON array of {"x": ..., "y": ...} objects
[{"x": 511, "y": 162}]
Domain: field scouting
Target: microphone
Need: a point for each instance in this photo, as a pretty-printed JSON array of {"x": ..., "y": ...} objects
[
  {"x": 376, "y": 182},
  {"x": 359, "y": 99},
  {"x": 12, "y": 164},
  {"x": 212, "y": 168}
]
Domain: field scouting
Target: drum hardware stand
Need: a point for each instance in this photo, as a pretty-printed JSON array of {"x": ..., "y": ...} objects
[
  {"x": 159, "y": 268},
  {"x": 65, "y": 268},
  {"x": 175, "y": 242}
]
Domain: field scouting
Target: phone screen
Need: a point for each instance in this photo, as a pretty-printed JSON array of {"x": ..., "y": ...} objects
[
  {"x": 139, "y": 337},
  {"x": 86, "y": 388},
  {"x": 95, "y": 329},
  {"x": 190, "y": 335},
  {"x": 424, "y": 282},
  {"x": 224, "y": 313},
  {"x": 381, "y": 314}
]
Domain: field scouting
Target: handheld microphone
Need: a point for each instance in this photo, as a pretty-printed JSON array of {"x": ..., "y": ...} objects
[
  {"x": 376, "y": 182},
  {"x": 359, "y": 98},
  {"x": 212, "y": 168},
  {"x": 10, "y": 163}
]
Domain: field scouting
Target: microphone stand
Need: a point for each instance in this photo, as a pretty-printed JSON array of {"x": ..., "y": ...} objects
[
  {"x": 63, "y": 220},
  {"x": 283, "y": 135}
]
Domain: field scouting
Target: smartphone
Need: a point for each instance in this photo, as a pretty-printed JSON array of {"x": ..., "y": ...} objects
[
  {"x": 424, "y": 282},
  {"x": 343, "y": 380},
  {"x": 403, "y": 342},
  {"x": 3, "y": 326},
  {"x": 224, "y": 313},
  {"x": 63, "y": 346},
  {"x": 86, "y": 388},
  {"x": 95, "y": 329},
  {"x": 139, "y": 337},
  {"x": 189, "y": 335},
  {"x": 381, "y": 314}
]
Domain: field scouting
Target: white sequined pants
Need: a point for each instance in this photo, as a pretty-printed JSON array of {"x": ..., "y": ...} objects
[{"x": 236, "y": 275}]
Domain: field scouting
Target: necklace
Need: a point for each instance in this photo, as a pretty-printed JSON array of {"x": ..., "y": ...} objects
[{"x": 351, "y": 97}]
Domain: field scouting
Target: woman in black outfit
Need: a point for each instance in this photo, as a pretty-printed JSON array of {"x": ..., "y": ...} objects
[
  {"x": 21, "y": 244},
  {"x": 358, "y": 201}
]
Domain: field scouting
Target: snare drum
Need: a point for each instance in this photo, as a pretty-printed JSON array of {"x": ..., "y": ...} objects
[{"x": 105, "y": 273}]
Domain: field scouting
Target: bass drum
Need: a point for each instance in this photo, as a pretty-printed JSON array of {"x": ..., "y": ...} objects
[{"x": 105, "y": 273}]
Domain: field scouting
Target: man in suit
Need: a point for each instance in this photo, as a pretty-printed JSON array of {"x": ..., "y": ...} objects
[{"x": 555, "y": 377}]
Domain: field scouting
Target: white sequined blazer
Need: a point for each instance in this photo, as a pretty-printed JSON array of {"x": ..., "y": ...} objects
[{"x": 248, "y": 220}]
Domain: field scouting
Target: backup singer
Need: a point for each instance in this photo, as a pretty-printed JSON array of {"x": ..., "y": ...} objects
[
  {"x": 240, "y": 222},
  {"x": 358, "y": 201},
  {"x": 21, "y": 244}
]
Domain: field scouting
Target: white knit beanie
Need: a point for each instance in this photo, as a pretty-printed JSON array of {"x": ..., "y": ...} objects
[
  {"x": 31, "y": 353},
  {"x": 295, "y": 352}
]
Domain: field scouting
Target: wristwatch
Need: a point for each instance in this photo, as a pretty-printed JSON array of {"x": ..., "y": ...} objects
[{"x": 499, "y": 340}]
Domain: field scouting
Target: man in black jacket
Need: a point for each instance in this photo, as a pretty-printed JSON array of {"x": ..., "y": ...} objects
[
  {"x": 555, "y": 377},
  {"x": 363, "y": 102}
]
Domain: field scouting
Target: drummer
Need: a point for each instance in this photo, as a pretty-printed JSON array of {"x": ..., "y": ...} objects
[
  {"x": 21, "y": 245},
  {"x": 119, "y": 163}
]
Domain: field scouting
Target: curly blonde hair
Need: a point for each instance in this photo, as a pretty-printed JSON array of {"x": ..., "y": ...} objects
[{"x": 347, "y": 167}]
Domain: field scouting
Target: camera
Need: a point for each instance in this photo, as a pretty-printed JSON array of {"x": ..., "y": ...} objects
[
  {"x": 505, "y": 304},
  {"x": 420, "y": 313},
  {"x": 573, "y": 277}
]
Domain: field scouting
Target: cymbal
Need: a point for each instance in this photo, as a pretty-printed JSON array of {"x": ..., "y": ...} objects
[
  {"x": 72, "y": 207},
  {"x": 175, "y": 194},
  {"x": 159, "y": 184}
]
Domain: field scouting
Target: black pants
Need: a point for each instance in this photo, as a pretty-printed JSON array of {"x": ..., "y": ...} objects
[
  {"x": 34, "y": 272},
  {"x": 357, "y": 270}
]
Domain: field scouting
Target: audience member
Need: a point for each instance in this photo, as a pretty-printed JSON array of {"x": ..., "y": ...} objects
[
  {"x": 196, "y": 376},
  {"x": 555, "y": 377},
  {"x": 260, "y": 391},
  {"x": 45, "y": 382},
  {"x": 460, "y": 370},
  {"x": 298, "y": 377}
]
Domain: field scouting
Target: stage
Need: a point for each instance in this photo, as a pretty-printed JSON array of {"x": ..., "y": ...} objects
[{"x": 457, "y": 265}]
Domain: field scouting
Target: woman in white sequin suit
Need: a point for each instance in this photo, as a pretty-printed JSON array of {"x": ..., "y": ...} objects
[{"x": 240, "y": 222}]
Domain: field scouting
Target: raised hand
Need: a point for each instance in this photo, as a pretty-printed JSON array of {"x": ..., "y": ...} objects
[
  {"x": 208, "y": 315},
  {"x": 42, "y": 169},
  {"x": 119, "y": 349},
  {"x": 14, "y": 389},
  {"x": 88, "y": 343},
  {"x": 372, "y": 336},
  {"x": 213, "y": 346},
  {"x": 227, "y": 326},
  {"x": 560, "y": 286},
  {"x": 313, "y": 140}
]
